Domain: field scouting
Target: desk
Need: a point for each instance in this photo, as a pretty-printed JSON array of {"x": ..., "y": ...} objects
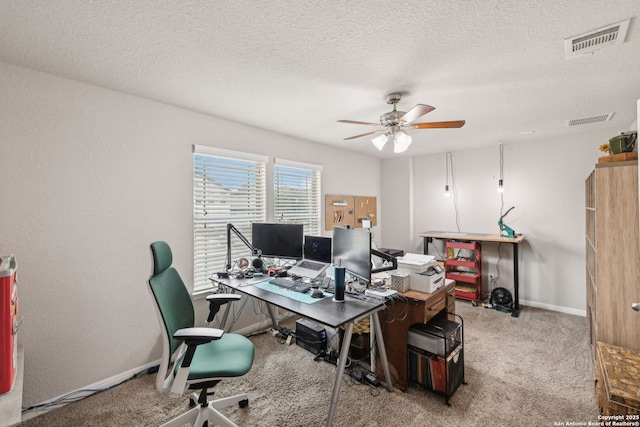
[
  {"x": 329, "y": 313},
  {"x": 476, "y": 237}
]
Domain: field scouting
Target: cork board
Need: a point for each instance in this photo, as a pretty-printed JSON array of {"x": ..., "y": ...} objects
[
  {"x": 338, "y": 211},
  {"x": 341, "y": 210},
  {"x": 365, "y": 209}
]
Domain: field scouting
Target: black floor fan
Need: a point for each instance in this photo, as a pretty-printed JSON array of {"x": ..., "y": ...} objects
[{"x": 501, "y": 297}]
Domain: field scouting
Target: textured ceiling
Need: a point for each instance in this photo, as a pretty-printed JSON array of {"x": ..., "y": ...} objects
[{"x": 295, "y": 67}]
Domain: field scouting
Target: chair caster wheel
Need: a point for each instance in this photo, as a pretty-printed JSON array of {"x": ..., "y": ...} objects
[
  {"x": 243, "y": 403},
  {"x": 192, "y": 402}
]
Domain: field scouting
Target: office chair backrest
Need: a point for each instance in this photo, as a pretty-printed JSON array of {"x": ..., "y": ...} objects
[{"x": 172, "y": 297}]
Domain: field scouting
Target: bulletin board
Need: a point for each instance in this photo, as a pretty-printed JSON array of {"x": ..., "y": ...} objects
[
  {"x": 341, "y": 210},
  {"x": 365, "y": 208}
]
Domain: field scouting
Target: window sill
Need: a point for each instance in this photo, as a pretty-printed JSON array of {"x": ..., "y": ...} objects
[{"x": 202, "y": 293}]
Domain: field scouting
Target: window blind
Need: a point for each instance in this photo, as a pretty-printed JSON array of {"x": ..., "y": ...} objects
[
  {"x": 297, "y": 194},
  {"x": 228, "y": 187}
]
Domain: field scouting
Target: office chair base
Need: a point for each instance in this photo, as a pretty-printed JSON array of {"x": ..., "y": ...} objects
[{"x": 198, "y": 415}]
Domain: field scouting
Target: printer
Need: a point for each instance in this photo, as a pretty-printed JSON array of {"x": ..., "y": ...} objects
[{"x": 425, "y": 275}]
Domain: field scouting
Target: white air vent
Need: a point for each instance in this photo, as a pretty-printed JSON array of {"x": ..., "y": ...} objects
[
  {"x": 591, "y": 119},
  {"x": 611, "y": 35}
]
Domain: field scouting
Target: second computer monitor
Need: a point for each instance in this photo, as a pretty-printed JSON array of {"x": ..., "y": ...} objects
[
  {"x": 317, "y": 248},
  {"x": 352, "y": 250}
]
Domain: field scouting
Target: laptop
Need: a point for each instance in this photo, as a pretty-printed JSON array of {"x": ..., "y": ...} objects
[{"x": 316, "y": 258}]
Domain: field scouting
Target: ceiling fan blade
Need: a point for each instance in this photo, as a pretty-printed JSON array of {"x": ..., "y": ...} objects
[
  {"x": 363, "y": 134},
  {"x": 358, "y": 123},
  {"x": 438, "y": 125},
  {"x": 417, "y": 111}
]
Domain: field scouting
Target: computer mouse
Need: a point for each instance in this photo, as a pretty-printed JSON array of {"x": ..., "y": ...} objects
[{"x": 316, "y": 293}]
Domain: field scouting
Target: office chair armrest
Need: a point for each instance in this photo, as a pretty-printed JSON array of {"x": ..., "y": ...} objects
[
  {"x": 192, "y": 337},
  {"x": 216, "y": 301},
  {"x": 197, "y": 336},
  {"x": 223, "y": 298}
]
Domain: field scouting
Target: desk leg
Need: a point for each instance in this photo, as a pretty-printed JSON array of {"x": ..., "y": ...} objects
[
  {"x": 372, "y": 342},
  {"x": 227, "y": 307},
  {"x": 274, "y": 323},
  {"x": 425, "y": 245},
  {"x": 383, "y": 352},
  {"x": 516, "y": 285},
  {"x": 342, "y": 362}
]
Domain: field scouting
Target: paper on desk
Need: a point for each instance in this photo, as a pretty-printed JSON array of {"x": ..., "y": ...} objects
[{"x": 416, "y": 259}]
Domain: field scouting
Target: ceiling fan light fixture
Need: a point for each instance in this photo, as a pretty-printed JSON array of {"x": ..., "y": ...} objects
[
  {"x": 379, "y": 141},
  {"x": 401, "y": 142}
]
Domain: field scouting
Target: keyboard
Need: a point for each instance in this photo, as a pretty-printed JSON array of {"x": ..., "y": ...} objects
[{"x": 290, "y": 284}]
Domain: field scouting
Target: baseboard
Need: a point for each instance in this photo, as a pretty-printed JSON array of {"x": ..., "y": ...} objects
[
  {"x": 86, "y": 391},
  {"x": 552, "y": 307},
  {"x": 44, "y": 407}
]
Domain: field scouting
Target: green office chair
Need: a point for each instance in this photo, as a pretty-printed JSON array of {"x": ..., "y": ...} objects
[{"x": 201, "y": 356}]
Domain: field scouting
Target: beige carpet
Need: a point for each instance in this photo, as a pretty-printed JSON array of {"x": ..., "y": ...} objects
[{"x": 535, "y": 370}]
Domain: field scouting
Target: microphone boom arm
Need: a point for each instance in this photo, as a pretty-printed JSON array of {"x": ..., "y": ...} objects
[{"x": 230, "y": 228}]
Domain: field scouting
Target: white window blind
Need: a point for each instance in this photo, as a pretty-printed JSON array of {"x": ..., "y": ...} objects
[
  {"x": 297, "y": 194},
  {"x": 228, "y": 187}
]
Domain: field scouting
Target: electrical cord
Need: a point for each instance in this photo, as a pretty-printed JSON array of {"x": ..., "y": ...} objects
[
  {"x": 77, "y": 395},
  {"x": 454, "y": 189},
  {"x": 398, "y": 299}
]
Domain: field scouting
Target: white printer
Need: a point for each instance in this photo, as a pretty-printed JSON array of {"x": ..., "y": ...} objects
[{"x": 425, "y": 275}]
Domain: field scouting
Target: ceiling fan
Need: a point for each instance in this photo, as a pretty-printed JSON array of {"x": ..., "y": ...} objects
[{"x": 395, "y": 122}]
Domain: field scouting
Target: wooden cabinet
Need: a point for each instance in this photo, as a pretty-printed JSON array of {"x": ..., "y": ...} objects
[
  {"x": 395, "y": 322},
  {"x": 465, "y": 270},
  {"x": 612, "y": 254}
]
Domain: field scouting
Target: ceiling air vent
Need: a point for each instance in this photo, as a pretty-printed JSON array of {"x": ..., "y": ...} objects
[
  {"x": 611, "y": 35},
  {"x": 591, "y": 119}
]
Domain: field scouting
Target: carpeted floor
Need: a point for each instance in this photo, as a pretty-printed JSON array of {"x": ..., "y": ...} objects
[{"x": 533, "y": 371}]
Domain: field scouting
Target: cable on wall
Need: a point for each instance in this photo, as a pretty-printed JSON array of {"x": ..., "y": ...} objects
[
  {"x": 493, "y": 280},
  {"x": 451, "y": 169}
]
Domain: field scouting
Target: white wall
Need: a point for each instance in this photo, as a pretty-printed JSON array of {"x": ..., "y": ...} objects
[
  {"x": 397, "y": 209},
  {"x": 543, "y": 179},
  {"x": 88, "y": 179}
]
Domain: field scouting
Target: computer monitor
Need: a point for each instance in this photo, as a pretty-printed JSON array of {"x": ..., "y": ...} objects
[
  {"x": 278, "y": 240},
  {"x": 352, "y": 250},
  {"x": 317, "y": 248}
]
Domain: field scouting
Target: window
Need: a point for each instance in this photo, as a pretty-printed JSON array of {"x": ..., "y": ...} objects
[
  {"x": 297, "y": 194},
  {"x": 228, "y": 187}
]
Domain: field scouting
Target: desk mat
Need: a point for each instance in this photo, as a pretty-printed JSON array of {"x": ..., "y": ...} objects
[{"x": 298, "y": 296}]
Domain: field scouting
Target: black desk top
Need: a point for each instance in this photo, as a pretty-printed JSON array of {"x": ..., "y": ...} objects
[{"x": 325, "y": 311}]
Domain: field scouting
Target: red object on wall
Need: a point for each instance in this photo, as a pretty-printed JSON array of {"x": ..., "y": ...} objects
[{"x": 8, "y": 323}]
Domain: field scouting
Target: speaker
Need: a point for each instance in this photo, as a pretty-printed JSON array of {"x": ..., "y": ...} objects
[{"x": 338, "y": 284}]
